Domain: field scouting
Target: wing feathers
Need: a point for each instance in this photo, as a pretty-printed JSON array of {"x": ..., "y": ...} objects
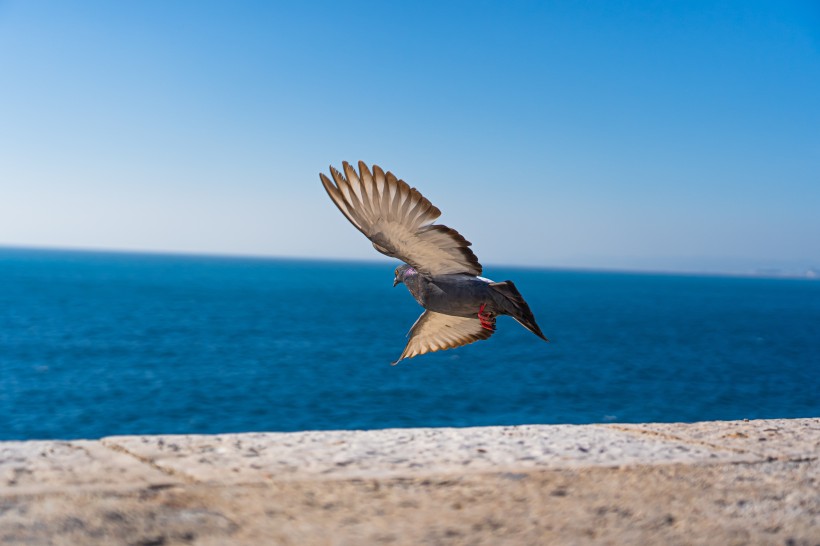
[
  {"x": 402, "y": 193},
  {"x": 356, "y": 192},
  {"x": 399, "y": 220},
  {"x": 339, "y": 200},
  {"x": 438, "y": 332},
  {"x": 424, "y": 212},
  {"x": 367, "y": 189}
]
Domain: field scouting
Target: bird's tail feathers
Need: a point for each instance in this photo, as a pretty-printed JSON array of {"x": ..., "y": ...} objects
[{"x": 514, "y": 304}]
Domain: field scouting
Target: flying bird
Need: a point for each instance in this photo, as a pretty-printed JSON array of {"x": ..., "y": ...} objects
[{"x": 439, "y": 270}]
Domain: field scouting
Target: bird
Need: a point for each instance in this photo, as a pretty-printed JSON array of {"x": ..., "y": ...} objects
[{"x": 439, "y": 269}]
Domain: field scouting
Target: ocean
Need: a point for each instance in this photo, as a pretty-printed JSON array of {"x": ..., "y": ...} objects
[{"x": 97, "y": 344}]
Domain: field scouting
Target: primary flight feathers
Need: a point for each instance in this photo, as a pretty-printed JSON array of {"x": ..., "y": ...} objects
[{"x": 398, "y": 220}]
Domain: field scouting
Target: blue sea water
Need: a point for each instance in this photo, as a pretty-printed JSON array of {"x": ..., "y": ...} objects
[{"x": 95, "y": 344}]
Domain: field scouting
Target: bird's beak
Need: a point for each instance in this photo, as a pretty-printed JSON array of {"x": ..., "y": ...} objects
[{"x": 395, "y": 282}]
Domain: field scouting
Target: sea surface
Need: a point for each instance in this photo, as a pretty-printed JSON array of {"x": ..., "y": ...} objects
[{"x": 96, "y": 344}]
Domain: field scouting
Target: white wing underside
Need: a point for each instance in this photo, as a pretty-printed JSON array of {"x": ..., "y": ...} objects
[
  {"x": 398, "y": 220},
  {"x": 436, "y": 332}
]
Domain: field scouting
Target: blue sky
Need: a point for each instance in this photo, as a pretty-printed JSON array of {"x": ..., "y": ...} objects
[{"x": 639, "y": 135}]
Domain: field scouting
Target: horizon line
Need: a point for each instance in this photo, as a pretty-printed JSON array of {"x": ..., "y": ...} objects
[{"x": 809, "y": 273}]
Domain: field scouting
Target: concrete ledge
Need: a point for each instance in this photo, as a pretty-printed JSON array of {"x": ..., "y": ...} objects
[{"x": 735, "y": 482}]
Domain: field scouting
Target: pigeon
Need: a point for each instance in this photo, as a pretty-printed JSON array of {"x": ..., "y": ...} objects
[{"x": 439, "y": 269}]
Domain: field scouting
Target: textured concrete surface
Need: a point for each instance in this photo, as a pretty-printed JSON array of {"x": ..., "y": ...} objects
[{"x": 750, "y": 482}]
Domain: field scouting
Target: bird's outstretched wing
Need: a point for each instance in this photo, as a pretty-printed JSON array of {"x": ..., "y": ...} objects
[
  {"x": 398, "y": 220},
  {"x": 436, "y": 331}
]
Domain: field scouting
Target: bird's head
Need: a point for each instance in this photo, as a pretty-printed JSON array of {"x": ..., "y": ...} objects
[{"x": 402, "y": 272}]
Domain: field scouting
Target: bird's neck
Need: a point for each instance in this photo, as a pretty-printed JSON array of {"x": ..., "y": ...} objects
[{"x": 413, "y": 283}]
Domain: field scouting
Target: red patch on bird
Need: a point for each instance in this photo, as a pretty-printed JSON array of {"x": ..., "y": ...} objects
[{"x": 487, "y": 320}]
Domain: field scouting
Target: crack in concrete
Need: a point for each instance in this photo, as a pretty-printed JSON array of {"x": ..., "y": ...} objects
[
  {"x": 673, "y": 438},
  {"x": 762, "y": 457},
  {"x": 187, "y": 478}
]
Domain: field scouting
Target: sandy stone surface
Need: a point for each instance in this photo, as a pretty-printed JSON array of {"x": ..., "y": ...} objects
[
  {"x": 778, "y": 438},
  {"x": 239, "y": 458},
  {"x": 701, "y": 483},
  {"x": 45, "y": 466}
]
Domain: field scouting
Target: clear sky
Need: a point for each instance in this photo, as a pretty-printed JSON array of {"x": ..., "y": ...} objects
[{"x": 645, "y": 135}]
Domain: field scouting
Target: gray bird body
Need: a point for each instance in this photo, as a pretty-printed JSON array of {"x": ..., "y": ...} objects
[
  {"x": 440, "y": 270},
  {"x": 458, "y": 295},
  {"x": 461, "y": 295}
]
